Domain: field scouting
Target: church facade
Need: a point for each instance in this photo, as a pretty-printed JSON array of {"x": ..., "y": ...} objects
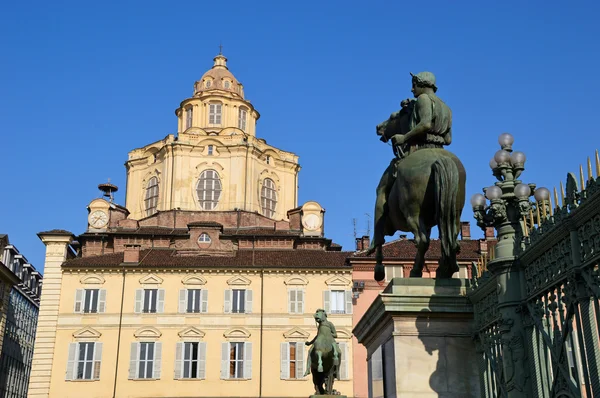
[{"x": 205, "y": 282}]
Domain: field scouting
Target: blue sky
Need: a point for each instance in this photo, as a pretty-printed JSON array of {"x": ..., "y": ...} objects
[{"x": 85, "y": 82}]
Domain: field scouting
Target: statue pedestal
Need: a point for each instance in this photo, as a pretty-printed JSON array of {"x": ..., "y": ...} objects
[
  {"x": 418, "y": 335},
  {"x": 328, "y": 396}
]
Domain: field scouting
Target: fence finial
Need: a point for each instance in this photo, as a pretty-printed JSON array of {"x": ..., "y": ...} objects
[
  {"x": 590, "y": 173},
  {"x": 582, "y": 187},
  {"x": 562, "y": 195}
]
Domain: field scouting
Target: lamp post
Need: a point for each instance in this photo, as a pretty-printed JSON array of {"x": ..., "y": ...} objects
[{"x": 510, "y": 212}]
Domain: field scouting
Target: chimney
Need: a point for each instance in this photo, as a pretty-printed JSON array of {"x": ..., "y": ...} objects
[
  {"x": 489, "y": 233},
  {"x": 363, "y": 243},
  {"x": 465, "y": 230},
  {"x": 131, "y": 254}
]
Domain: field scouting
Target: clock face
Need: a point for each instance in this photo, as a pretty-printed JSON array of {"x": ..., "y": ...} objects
[
  {"x": 311, "y": 222},
  {"x": 98, "y": 219}
]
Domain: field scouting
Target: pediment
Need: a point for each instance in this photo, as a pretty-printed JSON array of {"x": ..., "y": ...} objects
[
  {"x": 296, "y": 281},
  {"x": 92, "y": 279},
  {"x": 191, "y": 333},
  {"x": 296, "y": 334},
  {"x": 194, "y": 280},
  {"x": 239, "y": 280},
  {"x": 150, "y": 280},
  {"x": 87, "y": 333},
  {"x": 338, "y": 281},
  {"x": 147, "y": 332},
  {"x": 343, "y": 334},
  {"x": 237, "y": 333}
]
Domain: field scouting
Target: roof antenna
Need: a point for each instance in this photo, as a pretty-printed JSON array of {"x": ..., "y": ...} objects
[
  {"x": 107, "y": 190},
  {"x": 354, "y": 225},
  {"x": 368, "y": 224}
]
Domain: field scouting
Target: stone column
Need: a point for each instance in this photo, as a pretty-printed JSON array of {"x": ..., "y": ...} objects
[{"x": 57, "y": 243}]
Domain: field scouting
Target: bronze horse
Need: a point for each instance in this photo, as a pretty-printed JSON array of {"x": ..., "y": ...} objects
[
  {"x": 429, "y": 190},
  {"x": 324, "y": 361}
]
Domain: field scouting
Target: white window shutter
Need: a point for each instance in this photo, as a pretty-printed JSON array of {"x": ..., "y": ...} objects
[
  {"x": 343, "y": 373},
  {"x": 160, "y": 305},
  {"x": 202, "y": 360},
  {"x": 97, "y": 360},
  {"x": 248, "y": 304},
  {"x": 71, "y": 361},
  {"x": 247, "y": 360},
  {"x": 224, "y": 360},
  {"x": 227, "y": 301},
  {"x": 157, "y": 360},
  {"x": 78, "y": 307},
  {"x": 102, "y": 301},
  {"x": 348, "y": 301},
  {"x": 218, "y": 115},
  {"x": 133, "y": 360},
  {"x": 204, "y": 301},
  {"x": 182, "y": 301},
  {"x": 299, "y": 360},
  {"x": 285, "y": 361},
  {"x": 326, "y": 301},
  {"x": 300, "y": 300},
  {"x": 291, "y": 301},
  {"x": 139, "y": 300},
  {"x": 178, "y": 361}
]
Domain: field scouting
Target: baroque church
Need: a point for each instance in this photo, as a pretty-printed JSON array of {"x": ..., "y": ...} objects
[{"x": 204, "y": 283}]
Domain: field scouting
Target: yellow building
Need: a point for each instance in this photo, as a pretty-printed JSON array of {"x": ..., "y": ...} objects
[{"x": 205, "y": 282}]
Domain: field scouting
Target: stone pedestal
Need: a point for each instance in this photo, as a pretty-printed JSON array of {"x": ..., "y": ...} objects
[{"x": 418, "y": 335}]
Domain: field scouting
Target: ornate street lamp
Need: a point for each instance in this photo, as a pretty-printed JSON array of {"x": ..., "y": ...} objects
[{"x": 510, "y": 210}]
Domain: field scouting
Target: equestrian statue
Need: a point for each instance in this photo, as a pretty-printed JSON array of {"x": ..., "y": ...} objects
[
  {"x": 424, "y": 185},
  {"x": 324, "y": 356}
]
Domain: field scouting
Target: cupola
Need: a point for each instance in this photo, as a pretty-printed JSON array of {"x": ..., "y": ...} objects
[{"x": 218, "y": 78}]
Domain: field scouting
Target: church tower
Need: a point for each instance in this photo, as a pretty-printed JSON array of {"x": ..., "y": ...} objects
[{"x": 215, "y": 162}]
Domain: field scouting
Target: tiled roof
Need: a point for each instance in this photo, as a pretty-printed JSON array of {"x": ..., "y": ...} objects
[
  {"x": 242, "y": 258},
  {"x": 205, "y": 224},
  {"x": 259, "y": 232},
  {"x": 406, "y": 249},
  {"x": 150, "y": 230},
  {"x": 56, "y": 232}
]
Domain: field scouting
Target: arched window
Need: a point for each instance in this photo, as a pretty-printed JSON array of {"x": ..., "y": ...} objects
[
  {"x": 227, "y": 84},
  {"x": 151, "y": 200},
  {"x": 242, "y": 119},
  {"x": 268, "y": 198},
  {"x": 204, "y": 238},
  {"x": 208, "y": 83},
  {"x": 188, "y": 117},
  {"x": 209, "y": 189},
  {"x": 214, "y": 113}
]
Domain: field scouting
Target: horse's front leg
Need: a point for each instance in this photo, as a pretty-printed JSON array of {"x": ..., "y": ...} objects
[{"x": 320, "y": 363}]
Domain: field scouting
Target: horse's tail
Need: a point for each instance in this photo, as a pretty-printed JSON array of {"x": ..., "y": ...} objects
[{"x": 446, "y": 175}]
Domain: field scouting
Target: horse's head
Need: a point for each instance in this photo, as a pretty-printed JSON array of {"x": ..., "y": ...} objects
[
  {"x": 398, "y": 122},
  {"x": 320, "y": 315}
]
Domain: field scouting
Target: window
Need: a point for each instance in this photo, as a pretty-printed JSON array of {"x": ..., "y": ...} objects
[
  {"x": 190, "y": 360},
  {"x": 344, "y": 373},
  {"x": 238, "y": 301},
  {"x": 268, "y": 159},
  {"x": 84, "y": 360},
  {"x": 151, "y": 200},
  {"x": 145, "y": 362},
  {"x": 208, "y": 83},
  {"x": 292, "y": 360},
  {"x": 188, "y": 117},
  {"x": 90, "y": 300},
  {"x": 296, "y": 301},
  {"x": 337, "y": 301},
  {"x": 242, "y": 119},
  {"x": 150, "y": 300},
  {"x": 210, "y": 150},
  {"x": 236, "y": 360},
  {"x": 227, "y": 84},
  {"x": 209, "y": 189},
  {"x": 268, "y": 197},
  {"x": 193, "y": 301},
  {"x": 204, "y": 238},
  {"x": 214, "y": 113}
]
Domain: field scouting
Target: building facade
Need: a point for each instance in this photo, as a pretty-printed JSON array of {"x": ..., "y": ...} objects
[
  {"x": 20, "y": 307},
  {"x": 398, "y": 261},
  {"x": 205, "y": 283}
]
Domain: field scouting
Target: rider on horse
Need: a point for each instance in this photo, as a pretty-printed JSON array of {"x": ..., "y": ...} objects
[
  {"x": 428, "y": 124},
  {"x": 323, "y": 327}
]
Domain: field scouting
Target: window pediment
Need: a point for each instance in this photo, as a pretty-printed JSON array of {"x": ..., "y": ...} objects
[
  {"x": 296, "y": 334},
  {"x": 296, "y": 281},
  {"x": 338, "y": 281},
  {"x": 194, "y": 280},
  {"x": 191, "y": 333},
  {"x": 93, "y": 279},
  {"x": 343, "y": 334},
  {"x": 239, "y": 280},
  {"x": 151, "y": 280},
  {"x": 237, "y": 333},
  {"x": 87, "y": 333},
  {"x": 147, "y": 332}
]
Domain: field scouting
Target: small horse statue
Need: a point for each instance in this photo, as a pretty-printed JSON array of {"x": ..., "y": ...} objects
[
  {"x": 324, "y": 356},
  {"x": 429, "y": 190}
]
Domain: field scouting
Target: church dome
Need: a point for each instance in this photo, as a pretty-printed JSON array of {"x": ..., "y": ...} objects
[{"x": 219, "y": 78}]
